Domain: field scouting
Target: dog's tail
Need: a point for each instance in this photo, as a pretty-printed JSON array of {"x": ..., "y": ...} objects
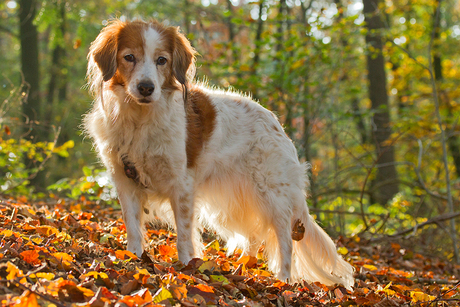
[{"x": 315, "y": 256}]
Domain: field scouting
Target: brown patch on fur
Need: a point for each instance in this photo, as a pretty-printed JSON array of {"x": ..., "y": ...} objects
[
  {"x": 287, "y": 266},
  {"x": 298, "y": 230},
  {"x": 201, "y": 120},
  {"x": 104, "y": 49},
  {"x": 184, "y": 210},
  {"x": 113, "y": 37},
  {"x": 183, "y": 57}
]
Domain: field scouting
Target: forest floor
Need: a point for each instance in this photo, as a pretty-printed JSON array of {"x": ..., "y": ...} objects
[{"x": 72, "y": 253}]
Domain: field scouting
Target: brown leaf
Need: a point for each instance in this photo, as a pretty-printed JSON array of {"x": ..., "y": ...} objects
[{"x": 129, "y": 287}]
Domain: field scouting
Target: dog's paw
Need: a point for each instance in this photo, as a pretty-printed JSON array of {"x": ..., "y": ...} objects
[{"x": 136, "y": 249}]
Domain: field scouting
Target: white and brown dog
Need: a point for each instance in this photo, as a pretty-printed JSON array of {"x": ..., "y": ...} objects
[{"x": 199, "y": 157}]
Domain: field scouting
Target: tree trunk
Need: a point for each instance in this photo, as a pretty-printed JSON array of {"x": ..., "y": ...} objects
[
  {"x": 231, "y": 33},
  {"x": 257, "y": 48},
  {"x": 386, "y": 182},
  {"x": 57, "y": 86},
  {"x": 28, "y": 35},
  {"x": 357, "y": 114},
  {"x": 453, "y": 141},
  {"x": 260, "y": 27}
]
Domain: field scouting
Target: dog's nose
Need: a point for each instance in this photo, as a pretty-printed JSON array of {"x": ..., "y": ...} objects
[{"x": 145, "y": 89}]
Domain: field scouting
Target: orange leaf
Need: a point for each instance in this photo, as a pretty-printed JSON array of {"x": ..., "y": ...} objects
[
  {"x": 7, "y": 130},
  {"x": 30, "y": 256},
  {"x": 279, "y": 284},
  {"x": 124, "y": 254},
  {"x": 27, "y": 299},
  {"x": 183, "y": 276},
  {"x": 46, "y": 230},
  {"x": 205, "y": 288},
  {"x": 248, "y": 261},
  {"x": 166, "y": 250},
  {"x": 140, "y": 298},
  {"x": 63, "y": 257}
]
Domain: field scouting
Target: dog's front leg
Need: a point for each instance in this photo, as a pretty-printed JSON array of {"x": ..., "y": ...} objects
[
  {"x": 130, "y": 199},
  {"x": 183, "y": 208}
]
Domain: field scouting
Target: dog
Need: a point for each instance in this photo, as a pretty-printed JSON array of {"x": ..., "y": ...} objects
[{"x": 199, "y": 157}]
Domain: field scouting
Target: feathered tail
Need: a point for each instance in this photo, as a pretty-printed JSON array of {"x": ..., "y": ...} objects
[{"x": 315, "y": 257}]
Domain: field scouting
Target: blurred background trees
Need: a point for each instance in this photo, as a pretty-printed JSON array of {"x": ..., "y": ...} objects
[{"x": 350, "y": 81}]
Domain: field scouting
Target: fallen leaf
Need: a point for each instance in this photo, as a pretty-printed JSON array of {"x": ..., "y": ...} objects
[{"x": 30, "y": 256}]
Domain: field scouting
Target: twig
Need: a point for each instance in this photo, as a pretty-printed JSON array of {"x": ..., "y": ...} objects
[
  {"x": 43, "y": 296},
  {"x": 344, "y": 212},
  {"x": 434, "y": 220},
  {"x": 437, "y": 281},
  {"x": 9, "y": 31}
]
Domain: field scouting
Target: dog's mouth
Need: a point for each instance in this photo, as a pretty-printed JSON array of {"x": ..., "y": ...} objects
[{"x": 144, "y": 101}]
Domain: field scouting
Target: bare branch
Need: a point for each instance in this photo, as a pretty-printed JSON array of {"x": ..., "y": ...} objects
[{"x": 434, "y": 220}]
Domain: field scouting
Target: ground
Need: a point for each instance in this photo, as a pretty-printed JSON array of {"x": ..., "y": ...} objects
[{"x": 72, "y": 253}]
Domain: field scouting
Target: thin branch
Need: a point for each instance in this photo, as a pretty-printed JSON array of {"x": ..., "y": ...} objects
[
  {"x": 343, "y": 212},
  {"x": 434, "y": 220},
  {"x": 9, "y": 31},
  {"x": 43, "y": 296}
]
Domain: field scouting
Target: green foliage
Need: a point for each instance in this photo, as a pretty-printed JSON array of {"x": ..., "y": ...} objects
[
  {"x": 16, "y": 156},
  {"x": 94, "y": 185}
]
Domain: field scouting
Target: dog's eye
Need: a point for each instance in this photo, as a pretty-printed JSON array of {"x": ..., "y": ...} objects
[
  {"x": 161, "y": 61},
  {"x": 129, "y": 58}
]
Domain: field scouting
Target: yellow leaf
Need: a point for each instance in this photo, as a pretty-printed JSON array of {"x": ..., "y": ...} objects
[
  {"x": 6, "y": 233},
  {"x": 86, "y": 292},
  {"x": 161, "y": 295},
  {"x": 214, "y": 245},
  {"x": 36, "y": 239},
  {"x": 245, "y": 67},
  {"x": 208, "y": 265},
  {"x": 370, "y": 267},
  {"x": 48, "y": 276},
  {"x": 261, "y": 273},
  {"x": 63, "y": 236},
  {"x": 297, "y": 64},
  {"x": 387, "y": 290},
  {"x": 13, "y": 271},
  {"x": 141, "y": 273},
  {"x": 342, "y": 250},
  {"x": 95, "y": 275},
  {"x": 418, "y": 296}
]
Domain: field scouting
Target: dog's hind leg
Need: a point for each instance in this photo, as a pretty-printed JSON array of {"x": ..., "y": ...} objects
[{"x": 283, "y": 236}]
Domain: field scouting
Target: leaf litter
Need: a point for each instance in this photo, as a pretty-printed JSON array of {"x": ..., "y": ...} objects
[{"x": 72, "y": 253}]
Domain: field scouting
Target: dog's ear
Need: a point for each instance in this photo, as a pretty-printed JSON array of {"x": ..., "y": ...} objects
[
  {"x": 183, "y": 58},
  {"x": 104, "y": 50}
]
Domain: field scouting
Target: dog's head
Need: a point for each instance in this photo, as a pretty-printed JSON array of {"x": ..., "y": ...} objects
[{"x": 143, "y": 58}]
